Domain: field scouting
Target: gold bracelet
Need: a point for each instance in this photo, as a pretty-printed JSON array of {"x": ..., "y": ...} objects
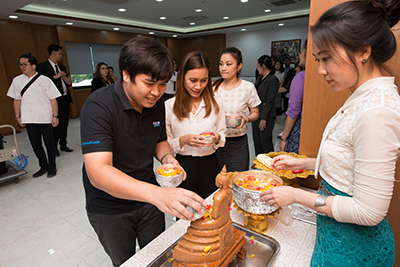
[{"x": 166, "y": 154}]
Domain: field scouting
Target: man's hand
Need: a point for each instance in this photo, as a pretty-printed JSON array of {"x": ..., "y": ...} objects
[{"x": 174, "y": 201}]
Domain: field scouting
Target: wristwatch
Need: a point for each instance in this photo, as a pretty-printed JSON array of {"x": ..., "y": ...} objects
[
  {"x": 320, "y": 201},
  {"x": 55, "y": 116}
]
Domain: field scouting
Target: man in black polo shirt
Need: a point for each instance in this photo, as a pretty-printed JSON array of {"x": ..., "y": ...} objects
[{"x": 122, "y": 129}]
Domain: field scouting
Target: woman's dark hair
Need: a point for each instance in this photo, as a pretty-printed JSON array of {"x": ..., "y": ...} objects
[
  {"x": 182, "y": 105},
  {"x": 266, "y": 61},
  {"x": 281, "y": 69},
  {"x": 31, "y": 59},
  {"x": 145, "y": 56},
  {"x": 356, "y": 25},
  {"x": 97, "y": 71},
  {"x": 237, "y": 55}
]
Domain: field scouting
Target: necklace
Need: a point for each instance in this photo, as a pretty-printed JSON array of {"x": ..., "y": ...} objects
[
  {"x": 194, "y": 107},
  {"x": 231, "y": 87}
]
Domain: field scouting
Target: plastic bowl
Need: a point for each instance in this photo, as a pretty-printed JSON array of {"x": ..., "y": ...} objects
[
  {"x": 246, "y": 192},
  {"x": 233, "y": 122},
  {"x": 169, "y": 176}
]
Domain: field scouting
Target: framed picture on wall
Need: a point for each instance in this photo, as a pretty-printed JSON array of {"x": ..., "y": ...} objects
[{"x": 284, "y": 49}]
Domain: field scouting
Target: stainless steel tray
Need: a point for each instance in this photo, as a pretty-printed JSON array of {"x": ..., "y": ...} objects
[{"x": 264, "y": 248}]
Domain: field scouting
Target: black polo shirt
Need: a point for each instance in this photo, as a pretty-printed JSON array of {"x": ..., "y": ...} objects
[{"x": 110, "y": 123}]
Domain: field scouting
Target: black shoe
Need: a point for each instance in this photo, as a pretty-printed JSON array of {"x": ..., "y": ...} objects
[
  {"x": 66, "y": 149},
  {"x": 52, "y": 173},
  {"x": 39, "y": 173},
  {"x": 57, "y": 152}
]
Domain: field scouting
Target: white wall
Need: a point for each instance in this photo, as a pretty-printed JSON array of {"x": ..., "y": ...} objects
[{"x": 256, "y": 43}]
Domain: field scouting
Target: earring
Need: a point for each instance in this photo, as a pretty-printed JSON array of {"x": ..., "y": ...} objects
[{"x": 364, "y": 61}]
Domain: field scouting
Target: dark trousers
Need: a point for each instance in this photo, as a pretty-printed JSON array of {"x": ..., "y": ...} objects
[
  {"x": 263, "y": 139},
  {"x": 35, "y": 133},
  {"x": 117, "y": 233},
  {"x": 201, "y": 173},
  {"x": 60, "y": 132}
]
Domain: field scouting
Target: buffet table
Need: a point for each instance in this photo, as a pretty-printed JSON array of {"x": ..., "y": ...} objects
[{"x": 296, "y": 239}]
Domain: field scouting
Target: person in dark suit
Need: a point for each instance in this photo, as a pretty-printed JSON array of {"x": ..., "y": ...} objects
[
  {"x": 267, "y": 88},
  {"x": 58, "y": 74}
]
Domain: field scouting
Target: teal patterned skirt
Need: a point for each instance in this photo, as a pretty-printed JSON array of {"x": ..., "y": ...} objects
[{"x": 348, "y": 244}]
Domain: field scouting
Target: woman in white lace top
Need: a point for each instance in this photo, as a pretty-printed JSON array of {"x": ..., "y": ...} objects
[{"x": 361, "y": 143}]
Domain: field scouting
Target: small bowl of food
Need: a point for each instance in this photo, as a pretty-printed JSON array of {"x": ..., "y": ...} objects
[
  {"x": 208, "y": 137},
  {"x": 233, "y": 122},
  {"x": 168, "y": 175},
  {"x": 246, "y": 187}
]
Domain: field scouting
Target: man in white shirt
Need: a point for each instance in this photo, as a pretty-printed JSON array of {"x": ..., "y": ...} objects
[{"x": 35, "y": 107}]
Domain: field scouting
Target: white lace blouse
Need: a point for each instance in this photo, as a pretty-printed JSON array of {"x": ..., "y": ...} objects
[
  {"x": 359, "y": 150},
  {"x": 195, "y": 124}
]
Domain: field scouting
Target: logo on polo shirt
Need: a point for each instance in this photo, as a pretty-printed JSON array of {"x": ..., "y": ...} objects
[
  {"x": 156, "y": 124},
  {"x": 90, "y": 143}
]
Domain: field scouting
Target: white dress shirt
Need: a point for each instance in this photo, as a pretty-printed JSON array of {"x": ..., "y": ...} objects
[{"x": 195, "y": 124}]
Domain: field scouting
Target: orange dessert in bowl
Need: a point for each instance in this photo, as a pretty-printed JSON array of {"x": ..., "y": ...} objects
[
  {"x": 168, "y": 175},
  {"x": 208, "y": 137}
]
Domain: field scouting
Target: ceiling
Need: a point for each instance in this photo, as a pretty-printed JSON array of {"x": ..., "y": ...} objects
[{"x": 143, "y": 16}]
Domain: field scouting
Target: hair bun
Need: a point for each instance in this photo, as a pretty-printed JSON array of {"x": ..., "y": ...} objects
[{"x": 390, "y": 9}]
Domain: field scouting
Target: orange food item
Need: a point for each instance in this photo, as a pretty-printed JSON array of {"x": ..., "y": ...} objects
[
  {"x": 256, "y": 183},
  {"x": 207, "y": 134},
  {"x": 169, "y": 171}
]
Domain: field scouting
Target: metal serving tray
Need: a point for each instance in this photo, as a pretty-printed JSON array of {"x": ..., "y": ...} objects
[{"x": 264, "y": 248}]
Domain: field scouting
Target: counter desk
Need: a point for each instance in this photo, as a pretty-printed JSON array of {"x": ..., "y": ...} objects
[{"x": 296, "y": 240}]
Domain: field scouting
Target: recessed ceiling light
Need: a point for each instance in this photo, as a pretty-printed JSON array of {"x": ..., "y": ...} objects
[
  {"x": 151, "y": 32},
  {"x": 281, "y": 24},
  {"x": 267, "y": 10},
  {"x": 13, "y": 17},
  {"x": 225, "y": 17},
  {"x": 116, "y": 29},
  {"x": 174, "y": 35},
  {"x": 163, "y": 17},
  {"x": 69, "y": 23},
  {"x": 198, "y": 10},
  {"x": 159, "y": 0},
  {"x": 192, "y": 23},
  {"x": 122, "y": 10},
  {"x": 244, "y": 1},
  {"x": 243, "y": 30}
]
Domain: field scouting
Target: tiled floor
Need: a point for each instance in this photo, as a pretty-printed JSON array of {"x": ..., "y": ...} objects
[{"x": 43, "y": 221}]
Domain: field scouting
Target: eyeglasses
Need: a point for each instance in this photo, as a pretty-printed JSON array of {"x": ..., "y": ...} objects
[{"x": 23, "y": 64}]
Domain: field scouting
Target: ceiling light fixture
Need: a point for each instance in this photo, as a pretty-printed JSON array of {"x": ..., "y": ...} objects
[
  {"x": 116, "y": 29},
  {"x": 69, "y": 23},
  {"x": 13, "y": 17},
  {"x": 244, "y": 1},
  {"x": 192, "y": 23},
  {"x": 225, "y": 17},
  {"x": 267, "y": 10},
  {"x": 122, "y": 10},
  {"x": 174, "y": 35},
  {"x": 281, "y": 24},
  {"x": 243, "y": 30},
  {"x": 151, "y": 33},
  {"x": 163, "y": 17},
  {"x": 159, "y": 1},
  {"x": 198, "y": 10}
]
